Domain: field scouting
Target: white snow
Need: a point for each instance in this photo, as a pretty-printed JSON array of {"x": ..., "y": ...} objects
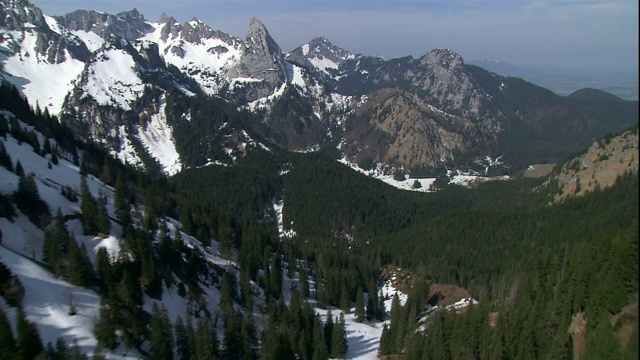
[
  {"x": 378, "y": 173},
  {"x": 323, "y": 64},
  {"x": 206, "y": 61},
  {"x": 282, "y": 233},
  {"x": 47, "y": 298},
  {"x": 40, "y": 81},
  {"x": 92, "y": 40},
  {"x": 113, "y": 80},
  {"x": 127, "y": 152},
  {"x": 157, "y": 138},
  {"x": 297, "y": 78}
]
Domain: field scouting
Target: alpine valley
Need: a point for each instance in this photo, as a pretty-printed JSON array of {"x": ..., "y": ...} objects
[{"x": 169, "y": 191}]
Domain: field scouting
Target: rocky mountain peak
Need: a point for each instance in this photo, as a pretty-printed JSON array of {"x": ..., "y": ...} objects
[
  {"x": 443, "y": 58},
  {"x": 170, "y": 27},
  {"x": 19, "y": 15},
  {"x": 129, "y": 25},
  {"x": 322, "y": 46},
  {"x": 261, "y": 59},
  {"x": 195, "y": 30}
]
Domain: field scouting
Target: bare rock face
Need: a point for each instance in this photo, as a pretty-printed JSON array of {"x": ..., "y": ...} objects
[
  {"x": 22, "y": 16},
  {"x": 599, "y": 167},
  {"x": 396, "y": 128},
  {"x": 261, "y": 59},
  {"x": 128, "y": 25},
  {"x": 448, "y": 86}
]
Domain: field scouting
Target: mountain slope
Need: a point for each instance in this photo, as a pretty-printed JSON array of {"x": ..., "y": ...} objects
[{"x": 304, "y": 100}]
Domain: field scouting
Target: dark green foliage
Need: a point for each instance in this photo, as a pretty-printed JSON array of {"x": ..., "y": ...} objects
[
  {"x": 206, "y": 341},
  {"x": 160, "y": 334},
  {"x": 359, "y": 305},
  {"x": 28, "y": 200},
  {"x": 8, "y": 345},
  {"x": 6, "y": 208},
  {"x": 11, "y": 288},
  {"x": 104, "y": 330},
  {"x": 95, "y": 219},
  {"x": 182, "y": 339},
  {"x": 5, "y": 159},
  {"x": 339, "y": 339},
  {"x": 28, "y": 339}
]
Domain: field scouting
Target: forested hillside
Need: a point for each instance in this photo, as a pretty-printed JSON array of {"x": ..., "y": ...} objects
[{"x": 286, "y": 249}]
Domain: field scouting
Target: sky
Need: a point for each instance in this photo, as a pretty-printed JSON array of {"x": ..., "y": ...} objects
[{"x": 578, "y": 34}]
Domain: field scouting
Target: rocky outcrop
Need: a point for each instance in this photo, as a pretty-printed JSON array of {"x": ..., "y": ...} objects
[
  {"x": 396, "y": 128},
  {"x": 51, "y": 44},
  {"x": 128, "y": 25},
  {"x": 261, "y": 60},
  {"x": 320, "y": 56},
  {"x": 599, "y": 167}
]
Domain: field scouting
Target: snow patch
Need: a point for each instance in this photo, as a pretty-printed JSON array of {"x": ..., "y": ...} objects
[{"x": 113, "y": 80}]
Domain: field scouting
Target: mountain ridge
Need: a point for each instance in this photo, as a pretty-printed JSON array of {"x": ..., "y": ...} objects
[{"x": 301, "y": 100}]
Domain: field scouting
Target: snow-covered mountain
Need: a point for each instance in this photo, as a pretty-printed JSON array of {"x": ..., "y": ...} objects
[{"x": 109, "y": 75}]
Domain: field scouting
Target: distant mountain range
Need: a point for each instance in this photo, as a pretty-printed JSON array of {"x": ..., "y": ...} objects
[{"x": 184, "y": 95}]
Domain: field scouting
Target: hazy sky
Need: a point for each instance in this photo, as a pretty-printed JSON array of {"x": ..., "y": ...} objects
[{"x": 599, "y": 35}]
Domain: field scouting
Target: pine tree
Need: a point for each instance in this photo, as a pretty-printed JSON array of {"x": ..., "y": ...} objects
[
  {"x": 5, "y": 158},
  {"x": 345, "y": 302},
  {"x": 8, "y": 344},
  {"x": 89, "y": 209},
  {"x": 103, "y": 223},
  {"x": 121, "y": 206},
  {"x": 105, "y": 329},
  {"x": 359, "y": 305},
  {"x": 232, "y": 343},
  {"x": 182, "y": 340},
  {"x": 206, "y": 342},
  {"x": 328, "y": 331},
  {"x": 28, "y": 338},
  {"x": 319, "y": 346},
  {"x": 161, "y": 336},
  {"x": 339, "y": 338}
]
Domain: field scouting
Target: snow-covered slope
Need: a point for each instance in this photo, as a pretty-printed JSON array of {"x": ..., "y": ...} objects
[
  {"x": 197, "y": 50},
  {"x": 47, "y": 298}
]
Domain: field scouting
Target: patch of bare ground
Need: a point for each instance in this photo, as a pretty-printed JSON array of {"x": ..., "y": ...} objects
[
  {"x": 538, "y": 170},
  {"x": 493, "y": 319},
  {"x": 599, "y": 167},
  {"x": 627, "y": 322},
  {"x": 446, "y": 294},
  {"x": 402, "y": 280},
  {"x": 578, "y": 330}
]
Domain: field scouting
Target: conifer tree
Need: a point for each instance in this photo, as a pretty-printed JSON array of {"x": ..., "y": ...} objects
[
  {"x": 206, "y": 341},
  {"x": 7, "y": 340},
  {"x": 345, "y": 302},
  {"x": 102, "y": 222},
  {"x": 121, "y": 206},
  {"x": 105, "y": 329},
  {"x": 232, "y": 343},
  {"x": 18, "y": 169},
  {"x": 182, "y": 340},
  {"x": 328, "y": 331},
  {"x": 5, "y": 158},
  {"x": 339, "y": 338},
  {"x": 28, "y": 338},
  {"x": 319, "y": 346},
  {"x": 359, "y": 305},
  {"x": 161, "y": 336},
  {"x": 89, "y": 209}
]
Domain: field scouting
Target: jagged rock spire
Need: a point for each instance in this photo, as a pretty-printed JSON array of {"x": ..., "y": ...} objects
[{"x": 262, "y": 59}]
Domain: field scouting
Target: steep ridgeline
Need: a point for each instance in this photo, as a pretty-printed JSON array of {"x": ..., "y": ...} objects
[{"x": 118, "y": 74}]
